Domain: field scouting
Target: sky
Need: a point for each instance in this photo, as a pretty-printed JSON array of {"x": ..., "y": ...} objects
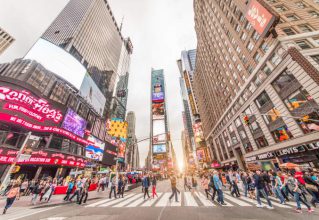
[{"x": 159, "y": 30}]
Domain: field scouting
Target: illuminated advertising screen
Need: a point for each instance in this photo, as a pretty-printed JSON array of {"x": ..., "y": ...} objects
[
  {"x": 259, "y": 17},
  {"x": 74, "y": 123},
  {"x": 201, "y": 155},
  {"x": 92, "y": 94},
  {"x": 159, "y": 131},
  {"x": 159, "y": 148},
  {"x": 58, "y": 61},
  {"x": 109, "y": 154},
  {"x": 118, "y": 128},
  {"x": 198, "y": 132},
  {"x": 158, "y": 94},
  {"x": 95, "y": 150},
  {"x": 158, "y": 110}
]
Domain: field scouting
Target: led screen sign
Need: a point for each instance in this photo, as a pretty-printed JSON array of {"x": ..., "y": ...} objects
[
  {"x": 259, "y": 17},
  {"x": 159, "y": 148},
  {"x": 158, "y": 110},
  {"x": 158, "y": 94},
  {"x": 159, "y": 135},
  {"x": 95, "y": 150},
  {"x": 74, "y": 123}
]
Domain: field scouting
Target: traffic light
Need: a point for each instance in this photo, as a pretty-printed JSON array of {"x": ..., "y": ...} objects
[{"x": 246, "y": 120}]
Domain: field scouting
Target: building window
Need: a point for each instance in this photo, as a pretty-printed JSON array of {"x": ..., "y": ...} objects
[
  {"x": 264, "y": 47},
  {"x": 248, "y": 147},
  {"x": 304, "y": 28},
  {"x": 254, "y": 126},
  {"x": 261, "y": 142},
  {"x": 292, "y": 17},
  {"x": 301, "y": 5},
  {"x": 303, "y": 44},
  {"x": 238, "y": 122},
  {"x": 281, "y": 8},
  {"x": 307, "y": 124},
  {"x": 256, "y": 36},
  {"x": 244, "y": 36},
  {"x": 250, "y": 46},
  {"x": 257, "y": 57},
  {"x": 314, "y": 14},
  {"x": 275, "y": 59},
  {"x": 283, "y": 81},
  {"x": 298, "y": 99},
  {"x": 262, "y": 99},
  {"x": 316, "y": 58},
  {"x": 266, "y": 70},
  {"x": 289, "y": 31},
  {"x": 242, "y": 134},
  {"x": 281, "y": 134}
]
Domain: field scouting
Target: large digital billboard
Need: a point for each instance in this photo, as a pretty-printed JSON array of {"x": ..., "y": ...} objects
[
  {"x": 58, "y": 61},
  {"x": 159, "y": 132},
  {"x": 159, "y": 148},
  {"x": 158, "y": 110},
  {"x": 92, "y": 94},
  {"x": 158, "y": 94},
  {"x": 259, "y": 17},
  {"x": 198, "y": 132},
  {"x": 74, "y": 123},
  {"x": 95, "y": 150}
]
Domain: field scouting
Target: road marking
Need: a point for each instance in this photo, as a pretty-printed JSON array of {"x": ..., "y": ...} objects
[
  {"x": 163, "y": 200},
  {"x": 118, "y": 200},
  {"x": 237, "y": 201},
  {"x": 276, "y": 204},
  {"x": 288, "y": 203},
  {"x": 149, "y": 203},
  {"x": 25, "y": 214},
  {"x": 126, "y": 202},
  {"x": 189, "y": 199},
  {"x": 204, "y": 199},
  {"x": 101, "y": 202},
  {"x": 136, "y": 202},
  {"x": 179, "y": 203}
]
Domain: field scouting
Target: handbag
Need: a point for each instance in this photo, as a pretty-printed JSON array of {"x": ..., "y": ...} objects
[{"x": 311, "y": 187}]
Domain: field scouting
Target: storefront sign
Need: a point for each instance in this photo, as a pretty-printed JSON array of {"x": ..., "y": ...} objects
[
  {"x": 42, "y": 158},
  {"x": 40, "y": 128},
  {"x": 290, "y": 150},
  {"x": 25, "y": 103},
  {"x": 259, "y": 17}
]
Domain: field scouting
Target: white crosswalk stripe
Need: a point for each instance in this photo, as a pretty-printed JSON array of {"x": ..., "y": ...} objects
[
  {"x": 20, "y": 213},
  {"x": 189, "y": 199},
  {"x": 204, "y": 199},
  {"x": 198, "y": 199}
]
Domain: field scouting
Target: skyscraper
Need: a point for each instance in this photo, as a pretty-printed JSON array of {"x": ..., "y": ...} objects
[
  {"x": 5, "y": 40},
  {"x": 258, "y": 60},
  {"x": 87, "y": 29},
  {"x": 132, "y": 153}
]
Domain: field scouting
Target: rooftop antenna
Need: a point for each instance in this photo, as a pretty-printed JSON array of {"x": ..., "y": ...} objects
[{"x": 121, "y": 24}]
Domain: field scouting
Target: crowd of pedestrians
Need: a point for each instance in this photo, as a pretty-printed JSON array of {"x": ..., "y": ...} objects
[{"x": 286, "y": 185}]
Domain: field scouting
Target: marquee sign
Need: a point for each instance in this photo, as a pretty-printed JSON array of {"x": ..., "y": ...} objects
[{"x": 25, "y": 103}]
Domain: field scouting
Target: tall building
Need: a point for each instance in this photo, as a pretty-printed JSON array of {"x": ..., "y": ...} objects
[
  {"x": 192, "y": 123},
  {"x": 132, "y": 153},
  {"x": 258, "y": 59},
  {"x": 119, "y": 102},
  {"x": 5, "y": 40},
  {"x": 87, "y": 30},
  {"x": 160, "y": 138}
]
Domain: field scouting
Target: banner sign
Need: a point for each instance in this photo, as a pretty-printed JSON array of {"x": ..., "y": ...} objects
[{"x": 7, "y": 156}]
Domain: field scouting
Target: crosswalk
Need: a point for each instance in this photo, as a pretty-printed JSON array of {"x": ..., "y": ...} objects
[{"x": 185, "y": 199}]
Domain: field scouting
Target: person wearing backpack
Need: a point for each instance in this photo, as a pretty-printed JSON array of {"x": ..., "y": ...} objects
[
  {"x": 174, "y": 189},
  {"x": 12, "y": 194},
  {"x": 260, "y": 190},
  {"x": 69, "y": 190}
]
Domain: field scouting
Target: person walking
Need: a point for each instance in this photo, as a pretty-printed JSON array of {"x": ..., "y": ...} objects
[
  {"x": 293, "y": 184},
  {"x": 260, "y": 190},
  {"x": 36, "y": 191},
  {"x": 194, "y": 184},
  {"x": 244, "y": 177},
  {"x": 218, "y": 185},
  {"x": 12, "y": 194},
  {"x": 277, "y": 185},
  {"x": 212, "y": 187},
  {"x": 85, "y": 191},
  {"x": 234, "y": 182},
  {"x": 24, "y": 187},
  {"x": 102, "y": 183},
  {"x": 174, "y": 189},
  {"x": 78, "y": 190},
  {"x": 113, "y": 187},
  {"x": 120, "y": 185},
  {"x": 69, "y": 190},
  {"x": 186, "y": 183},
  {"x": 146, "y": 185},
  {"x": 204, "y": 183},
  {"x": 251, "y": 186},
  {"x": 312, "y": 188},
  {"x": 154, "y": 183}
]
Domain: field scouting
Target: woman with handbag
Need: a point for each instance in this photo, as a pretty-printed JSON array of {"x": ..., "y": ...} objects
[
  {"x": 12, "y": 194},
  {"x": 312, "y": 188}
]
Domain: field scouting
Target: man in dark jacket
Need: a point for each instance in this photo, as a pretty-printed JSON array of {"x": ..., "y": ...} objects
[
  {"x": 146, "y": 185},
  {"x": 312, "y": 188},
  {"x": 260, "y": 189},
  {"x": 212, "y": 186},
  {"x": 174, "y": 188}
]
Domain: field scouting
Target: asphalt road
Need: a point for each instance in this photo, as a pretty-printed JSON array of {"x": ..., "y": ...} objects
[{"x": 189, "y": 207}]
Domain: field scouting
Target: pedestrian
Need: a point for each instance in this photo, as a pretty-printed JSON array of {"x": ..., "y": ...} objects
[
  {"x": 174, "y": 189},
  {"x": 48, "y": 191},
  {"x": 251, "y": 186},
  {"x": 85, "y": 191},
  {"x": 260, "y": 190},
  {"x": 12, "y": 194},
  {"x": 69, "y": 190},
  {"x": 120, "y": 185},
  {"x": 302, "y": 182},
  {"x": 312, "y": 188},
  {"x": 186, "y": 183},
  {"x": 154, "y": 183},
  {"x": 212, "y": 187},
  {"x": 194, "y": 184},
  {"x": 113, "y": 188},
  {"x": 245, "y": 184},
  {"x": 24, "y": 187},
  {"x": 228, "y": 179},
  {"x": 36, "y": 191},
  {"x": 293, "y": 183},
  {"x": 235, "y": 189},
  {"x": 277, "y": 186},
  {"x": 78, "y": 190},
  {"x": 218, "y": 185},
  {"x": 146, "y": 185},
  {"x": 204, "y": 183},
  {"x": 102, "y": 183}
]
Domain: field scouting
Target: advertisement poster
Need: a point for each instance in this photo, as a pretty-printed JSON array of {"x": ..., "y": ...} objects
[
  {"x": 159, "y": 134},
  {"x": 92, "y": 94},
  {"x": 158, "y": 95},
  {"x": 95, "y": 151},
  {"x": 158, "y": 110},
  {"x": 198, "y": 132},
  {"x": 201, "y": 155},
  {"x": 118, "y": 128},
  {"x": 74, "y": 123},
  {"x": 159, "y": 148}
]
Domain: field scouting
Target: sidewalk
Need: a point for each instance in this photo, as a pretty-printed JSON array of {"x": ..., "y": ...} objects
[{"x": 25, "y": 201}]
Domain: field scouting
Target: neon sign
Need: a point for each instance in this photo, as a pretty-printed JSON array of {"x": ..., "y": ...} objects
[{"x": 33, "y": 107}]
